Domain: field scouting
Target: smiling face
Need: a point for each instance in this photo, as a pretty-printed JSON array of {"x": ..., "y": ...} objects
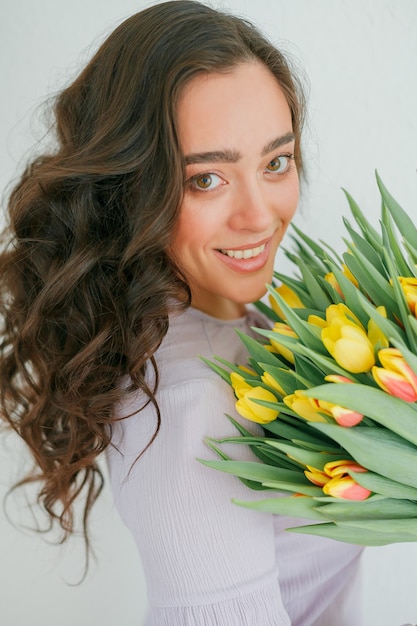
[{"x": 235, "y": 132}]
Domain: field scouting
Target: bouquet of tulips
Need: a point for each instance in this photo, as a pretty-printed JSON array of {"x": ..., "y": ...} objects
[{"x": 334, "y": 386}]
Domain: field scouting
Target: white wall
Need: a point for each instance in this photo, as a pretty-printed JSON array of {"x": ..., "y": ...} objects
[{"x": 360, "y": 57}]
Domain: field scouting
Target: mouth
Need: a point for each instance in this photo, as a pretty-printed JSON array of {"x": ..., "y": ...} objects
[{"x": 247, "y": 253}]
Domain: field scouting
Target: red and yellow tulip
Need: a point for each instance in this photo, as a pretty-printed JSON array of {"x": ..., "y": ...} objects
[
  {"x": 336, "y": 481},
  {"x": 395, "y": 376}
]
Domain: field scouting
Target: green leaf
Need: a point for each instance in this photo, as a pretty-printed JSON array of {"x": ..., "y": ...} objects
[
  {"x": 291, "y": 432},
  {"x": 297, "y": 286},
  {"x": 370, "y": 234},
  {"x": 349, "y": 534},
  {"x": 391, "y": 330},
  {"x": 306, "y": 457},
  {"x": 258, "y": 472},
  {"x": 306, "y": 490},
  {"x": 351, "y": 294},
  {"x": 258, "y": 351},
  {"x": 298, "y": 506},
  {"x": 305, "y": 332},
  {"x": 365, "y": 248},
  {"x": 392, "y": 246},
  {"x": 371, "y": 281},
  {"x": 398, "y": 416},
  {"x": 216, "y": 368},
  {"x": 371, "y": 509},
  {"x": 384, "y": 486},
  {"x": 308, "y": 370},
  {"x": 318, "y": 296},
  {"x": 377, "y": 449},
  {"x": 402, "y": 527},
  {"x": 402, "y": 304},
  {"x": 283, "y": 376},
  {"x": 404, "y": 223},
  {"x": 267, "y": 311}
]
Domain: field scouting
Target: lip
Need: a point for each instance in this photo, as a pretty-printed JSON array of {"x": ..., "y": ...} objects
[
  {"x": 249, "y": 245},
  {"x": 247, "y": 265}
]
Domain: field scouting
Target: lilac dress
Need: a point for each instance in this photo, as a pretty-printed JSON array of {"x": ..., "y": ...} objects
[{"x": 206, "y": 560}]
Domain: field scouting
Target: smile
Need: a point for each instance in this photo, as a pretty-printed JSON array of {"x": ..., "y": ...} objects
[{"x": 250, "y": 253}]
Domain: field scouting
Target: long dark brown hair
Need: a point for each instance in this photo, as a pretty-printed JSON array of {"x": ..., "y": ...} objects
[{"x": 86, "y": 284}]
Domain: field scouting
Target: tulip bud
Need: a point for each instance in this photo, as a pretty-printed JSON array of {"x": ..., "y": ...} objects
[
  {"x": 395, "y": 377},
  {"x": 409, "y": 287},
  {"x": 290, "y": 298},
  {"x": 247, "y": 406},
  {"x": 346, "y": 340}
]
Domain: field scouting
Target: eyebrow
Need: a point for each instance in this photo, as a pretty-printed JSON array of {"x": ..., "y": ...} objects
[{"x": 232, "y": 156}]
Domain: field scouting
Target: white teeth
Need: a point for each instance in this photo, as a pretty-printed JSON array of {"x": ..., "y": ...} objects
[{"x": 244, "y": 254}]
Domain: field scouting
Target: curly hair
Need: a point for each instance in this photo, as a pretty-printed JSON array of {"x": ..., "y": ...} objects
[{"x": 86, "y": 284}]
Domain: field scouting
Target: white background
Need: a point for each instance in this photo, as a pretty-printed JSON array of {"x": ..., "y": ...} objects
[{"x": 360, "y": 59}]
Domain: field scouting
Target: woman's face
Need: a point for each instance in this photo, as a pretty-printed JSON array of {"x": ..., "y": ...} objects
[{"x": 236, "y": 135}]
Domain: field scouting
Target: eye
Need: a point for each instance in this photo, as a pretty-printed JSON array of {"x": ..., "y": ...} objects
[
  {"x": 280, "y": 164},
  {"x": 205, "y": 182}
]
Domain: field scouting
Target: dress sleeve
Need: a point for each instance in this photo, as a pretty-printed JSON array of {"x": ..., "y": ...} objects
[{"x": 207, "y": 561}]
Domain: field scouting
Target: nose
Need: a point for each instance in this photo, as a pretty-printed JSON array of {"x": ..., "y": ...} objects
[{"x": 254, "y": 207}]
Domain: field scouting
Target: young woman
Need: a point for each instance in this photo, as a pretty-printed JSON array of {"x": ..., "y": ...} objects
[{"x": 133, "y": 249}]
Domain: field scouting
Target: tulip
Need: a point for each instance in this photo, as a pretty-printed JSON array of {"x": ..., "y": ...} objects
[
  {"x": 316, "y": 476},
  {"x": 409, "y": 287},
  {"x": 375, "y": 334},
  {"x": 290, "y": 298},
  {"x": 285, "y": 330},
  {"x": 247, "y": 406},
  {"x": 239, "y": 384},
  {"x": 349, "y": 275},
  {"x": 341, "y": 484},
  {"x": 395, "y": 377},
  {"x": 342, "y": 416},
  {"x": 346, "y": 488},
  {"x": 331, "y": 279},
  {"x": 336, "y": 378},
  {"x": 303, "y": 406},
  {"x": 271, "y": 382},
  {"x": 316, "y": 320},
  {"x": 345, "y": 417},
  {"x": 336, "y": 481},
  {"x": 335, "y": 469},
  {"x": 346, "y": 340}
]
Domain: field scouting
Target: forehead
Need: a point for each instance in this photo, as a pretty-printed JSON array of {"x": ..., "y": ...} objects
[{"x": 238, "y": 109}]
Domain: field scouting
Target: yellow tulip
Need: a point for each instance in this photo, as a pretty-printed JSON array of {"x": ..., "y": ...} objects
[
  {"x": 239, "y": 384},
  {"x": 303, "y": 406},
  {"x": 316, "y": 320},
  {"x": 331, "y": 278},
  {"x": 409, "y": 287},
  {"x": 285, "y": 330},
  {"x": 273, "y": 383},
  {"x": 247, "y": 406},
  {"x": 346, "y": 340},
  {"x": 290, "y": 298},
  {"x": 349, "y": 275},
  {"x": 375, "y": 334}
]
